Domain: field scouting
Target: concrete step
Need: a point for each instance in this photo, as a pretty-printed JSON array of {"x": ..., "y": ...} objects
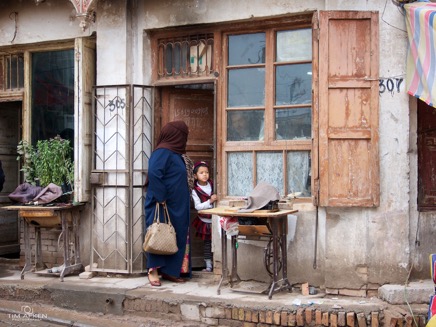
[{"x": 197, "y": 303}]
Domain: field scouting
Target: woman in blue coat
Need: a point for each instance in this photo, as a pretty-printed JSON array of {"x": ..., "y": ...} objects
[{"x": 168, "y": 175}]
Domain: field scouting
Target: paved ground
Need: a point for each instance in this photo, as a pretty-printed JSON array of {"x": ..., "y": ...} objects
[{"x": 120, "y": 300}]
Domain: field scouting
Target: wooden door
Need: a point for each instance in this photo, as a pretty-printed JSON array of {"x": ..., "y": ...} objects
[{"x": 196, "y": 108}]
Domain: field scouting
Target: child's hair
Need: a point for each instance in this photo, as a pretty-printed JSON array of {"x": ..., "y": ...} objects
[{"x": 199, "y": 164}]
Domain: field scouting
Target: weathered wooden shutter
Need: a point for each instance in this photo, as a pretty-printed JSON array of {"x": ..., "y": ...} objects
[
  {"x": 348, "y": 109},
  {"x": 84, "y": 81}
]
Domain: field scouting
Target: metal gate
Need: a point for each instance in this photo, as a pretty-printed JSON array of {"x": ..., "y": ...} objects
[{"x": 122, "y": 136}]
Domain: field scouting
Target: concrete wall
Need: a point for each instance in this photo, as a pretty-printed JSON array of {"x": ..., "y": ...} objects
[
  {"x": 356, "y": 248},
  {"x": 48, "y": 21}
]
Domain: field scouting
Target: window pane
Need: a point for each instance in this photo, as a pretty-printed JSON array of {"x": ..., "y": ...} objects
[
  {"x": 177, "y": 56},
  {"x": 245, "y": 125},
  {"x": 246, "y": 88},
  {"x": 270, "y": 169},
  {"x": 239, "y": 174},
  {"x": 169, "y": 59},
  {"x": 14, "y": 72},
  {"x": 293, "y": 84},
  {"x": 247, "y": 49},
  {"x": 52, "y": 94},
  {"x": 299, "y": 172},
  {"x": 294, "y": 45},
  {"x": 295, "y": 123}
]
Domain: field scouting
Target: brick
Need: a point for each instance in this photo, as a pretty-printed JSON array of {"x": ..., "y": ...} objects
[
  {"x": 292, "y": 320},
  {"x": 350, "y": 319},
  {"x": 262, "y": 317},
  {"x": 334, "y": 320},
  {"x": 308, "y": 315},
  {"x": 391, "y": 317},
  {"x": 341, "y": 318},
  {"x": 216, "y": 312},
  {"x": 235, "y": 313},
  {"x": 325, "y": 318},
  {"x": 249, "y": 324},
  {"x": 276, "y": 318},
  {"x": 269, "y": 317},
  {"x": 248, "y": 315},
  {"x": 318, "y": 316},
  {"x": 228, "y": 312},
  {"x": 241, "y": 314},
  {"x": 400, "y": 322},
  {"x": 300, "y": 317},
  {"x": 255, "y": 316},
  {"x": 46, "y": 242},
  {"x": 361, "y": 320},
  {"x": 284, "y": 318},
  {"x": 374, "y": 319}
]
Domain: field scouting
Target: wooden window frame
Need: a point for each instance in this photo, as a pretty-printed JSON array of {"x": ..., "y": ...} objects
[
  {"x": 84, "y": 49},
  {"x": 269, "y": 144},
  {"x": 324, "y": 186}
]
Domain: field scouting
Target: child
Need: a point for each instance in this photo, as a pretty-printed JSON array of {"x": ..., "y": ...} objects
[{"x": 203, "y": 197}]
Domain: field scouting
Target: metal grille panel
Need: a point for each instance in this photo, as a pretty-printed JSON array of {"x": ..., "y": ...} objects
[{"x": 122, "y": 146}]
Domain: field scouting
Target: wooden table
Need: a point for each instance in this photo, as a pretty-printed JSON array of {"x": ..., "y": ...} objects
[
  {"x": 48, "y": 217},
  {"x": 278, "y": 223}
]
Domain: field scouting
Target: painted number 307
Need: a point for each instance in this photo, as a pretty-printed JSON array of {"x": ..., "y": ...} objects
[{"x": 389, "y": 84}]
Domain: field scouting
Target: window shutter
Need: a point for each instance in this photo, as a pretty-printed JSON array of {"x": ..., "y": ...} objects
[
  {"x": 348, "y": 109},
  {"x": 83, "y": 83}
]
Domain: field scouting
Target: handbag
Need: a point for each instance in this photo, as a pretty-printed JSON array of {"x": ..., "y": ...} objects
[{"x": 160, "y": 237}]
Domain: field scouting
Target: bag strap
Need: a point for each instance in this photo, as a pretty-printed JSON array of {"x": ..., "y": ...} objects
[
  {"x": 166, "y": 214},
  {"x": 156, "y": 214}
]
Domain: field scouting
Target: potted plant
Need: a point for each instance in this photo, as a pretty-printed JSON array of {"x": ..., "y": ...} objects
[{"x": 50, "y": 161}]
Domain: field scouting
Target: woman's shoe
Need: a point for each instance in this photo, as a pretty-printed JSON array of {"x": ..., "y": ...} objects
[
  {"x": 172, "y": 278},
  {"x": 154, "y": 282}
]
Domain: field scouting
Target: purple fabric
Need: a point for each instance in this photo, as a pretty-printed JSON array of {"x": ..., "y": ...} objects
[
  {"x": 50, "y": 193},
  {"x": 25, "y": 193}
]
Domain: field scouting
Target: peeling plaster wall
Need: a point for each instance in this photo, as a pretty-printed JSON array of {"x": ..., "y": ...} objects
[
  {"x": 48, "y": 21},
  {"x": 355, "y": 247}
]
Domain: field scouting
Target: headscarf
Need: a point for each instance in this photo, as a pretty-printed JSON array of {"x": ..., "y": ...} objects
[{"x": 174, "y": 137}]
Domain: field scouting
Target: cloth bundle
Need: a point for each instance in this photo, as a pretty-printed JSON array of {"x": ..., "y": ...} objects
[
  {"x": 26, "y": 193},
  {"x": 261, "y": 195}
]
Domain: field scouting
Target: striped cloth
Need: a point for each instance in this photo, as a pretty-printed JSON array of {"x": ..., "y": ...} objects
[{"x": 421, "y": 58}]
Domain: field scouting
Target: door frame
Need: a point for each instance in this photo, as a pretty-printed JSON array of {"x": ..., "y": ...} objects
[{"x": 161, "y": 117}]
